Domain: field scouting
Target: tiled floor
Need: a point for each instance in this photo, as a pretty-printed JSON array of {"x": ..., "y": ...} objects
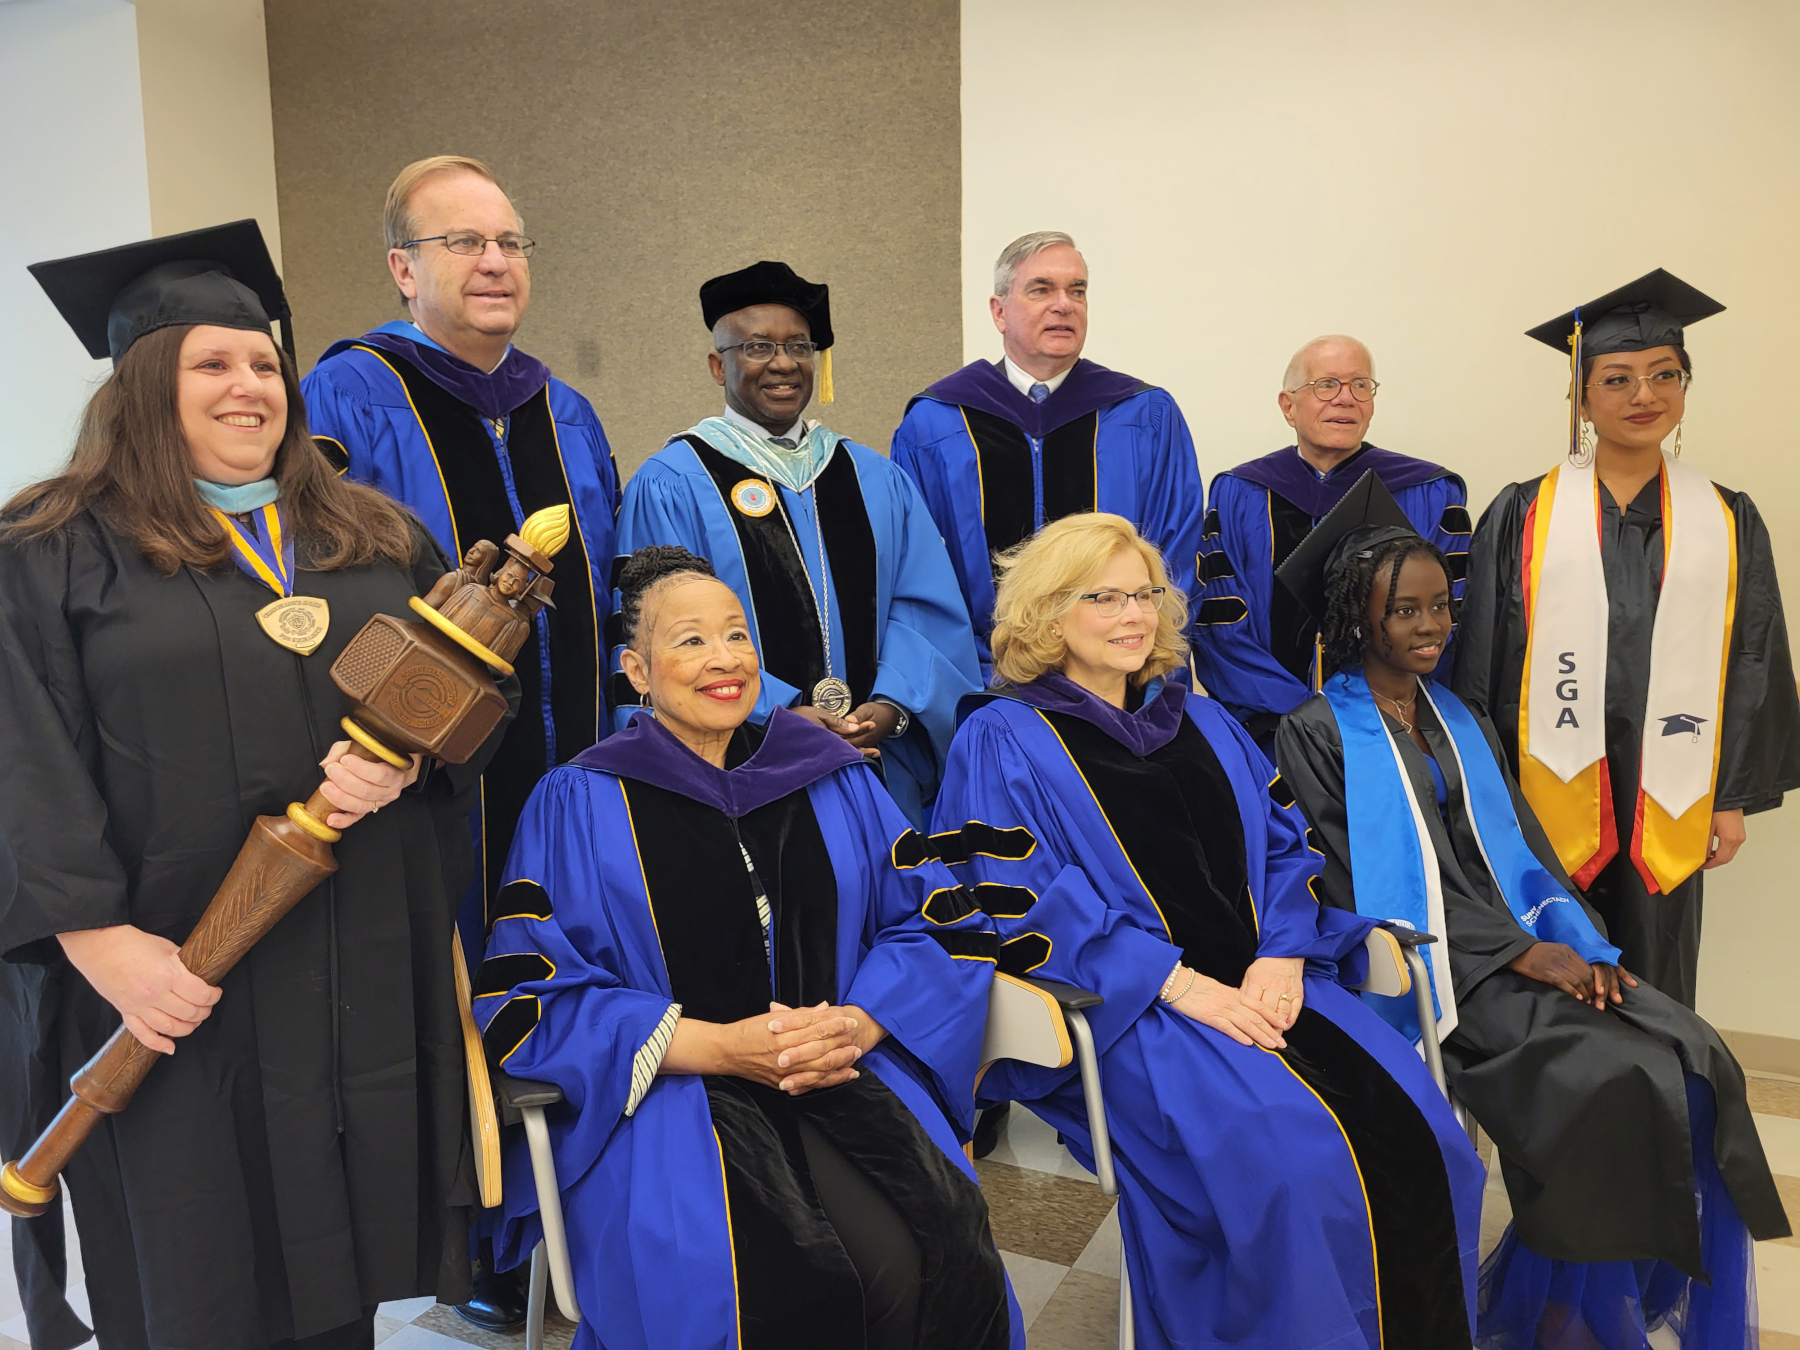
[{"x": 1060, "y": 1239}]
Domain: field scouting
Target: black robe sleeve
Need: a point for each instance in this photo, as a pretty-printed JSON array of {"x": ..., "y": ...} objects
[
  {"x": 1490, "y": 634},
  {"x": 1759, "y": 754},
  {"x": 69, "y": 877},
  {"x": 1483, "y": 934}
]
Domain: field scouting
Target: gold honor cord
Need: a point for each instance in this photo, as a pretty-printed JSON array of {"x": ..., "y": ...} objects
[{"x": 1575, "y": 392}]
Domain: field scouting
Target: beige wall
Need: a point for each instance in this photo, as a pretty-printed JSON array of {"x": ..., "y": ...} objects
[
  {"x": 649, "y": 147},
  {"x": 208, "y": 140},
  {"x": 1434, "y": 178}
]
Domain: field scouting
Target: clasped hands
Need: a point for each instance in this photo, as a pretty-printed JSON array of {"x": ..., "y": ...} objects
[
  {"x": 1257, "y": 1011},
  {"x": 1556, "y": 963},
  {"x": 798, "y": 1050},
  {"x": 864, "y": 728}
]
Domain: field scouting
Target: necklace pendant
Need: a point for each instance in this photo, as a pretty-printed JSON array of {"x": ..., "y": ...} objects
[
  {"x": 831, "y": 695},
  {"x": 297, "y": 622}
]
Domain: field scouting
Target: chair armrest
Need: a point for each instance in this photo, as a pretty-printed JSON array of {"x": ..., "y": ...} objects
[
  {"x": 1408, "y": 937},
  {"x": 515, "y": 1094},
  {"x": 1067, "y": 996}
]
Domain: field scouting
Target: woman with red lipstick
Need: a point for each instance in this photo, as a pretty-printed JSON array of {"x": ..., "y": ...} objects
[
  {"x": 763, "y": 998},
  {"x": 1633, "y": 1167},
  {"x": 170, "y": 607},
  {"x": 1622, "y": 625}
]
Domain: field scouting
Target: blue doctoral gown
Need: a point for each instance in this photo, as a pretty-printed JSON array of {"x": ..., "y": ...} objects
[
  {"x": 628, "y": 894},
  {"x": 995, "y": 468},
  {"x": 472, "y": 453},
  {"x": 1254, "y": 643},
  {"x": 898, "y": 629},
  {"x": 1261, "y": 1193}
]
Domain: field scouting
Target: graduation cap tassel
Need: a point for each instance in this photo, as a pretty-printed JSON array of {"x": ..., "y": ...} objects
[
  {"x": 826, "y": 393},
  {"x": 1575, "y": 392}
]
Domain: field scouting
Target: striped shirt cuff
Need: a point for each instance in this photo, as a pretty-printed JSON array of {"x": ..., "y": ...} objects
[{"x": 649, "y": 1057}]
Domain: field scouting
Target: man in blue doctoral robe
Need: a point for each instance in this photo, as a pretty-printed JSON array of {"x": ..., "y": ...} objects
[
  {"x": 1255, "y": 646},
  {"x": 445, "y": 415},
  {"x": 839, "y": 566},
  {"x": 1001, "y": 449}
]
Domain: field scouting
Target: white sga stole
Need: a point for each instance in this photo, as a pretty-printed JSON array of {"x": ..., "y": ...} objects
[{"x": 1563, "y": 714}]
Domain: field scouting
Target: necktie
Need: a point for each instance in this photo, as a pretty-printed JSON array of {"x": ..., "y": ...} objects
[
  {"x": 783, "y": 443},
  {"x": 1039, "y": 392}
]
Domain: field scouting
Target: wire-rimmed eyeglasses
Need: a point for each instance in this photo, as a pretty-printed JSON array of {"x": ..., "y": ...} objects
[
  {"x": 1111, "y": 604},
  {"x": 1662, "y": 382},
  {"x": 758, "y": 352},
  {"x": 1362, "y": 388},
  {"x": 471, "y": 244}
]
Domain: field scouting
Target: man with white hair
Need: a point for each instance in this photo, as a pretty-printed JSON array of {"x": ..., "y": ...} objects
[
  {"x": 1257, "y": 647},
  {"x": 1002, "y": 448}
]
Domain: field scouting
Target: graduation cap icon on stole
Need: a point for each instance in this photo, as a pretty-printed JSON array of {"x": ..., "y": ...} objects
[
  {"x": 1678, "y": 723},
  {"x": 1368, "y": 515}
]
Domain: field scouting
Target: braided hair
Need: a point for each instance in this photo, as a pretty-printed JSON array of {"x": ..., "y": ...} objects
[
  {"x": 647, "y": 569},
  {"x": 1347, "y": 597}
]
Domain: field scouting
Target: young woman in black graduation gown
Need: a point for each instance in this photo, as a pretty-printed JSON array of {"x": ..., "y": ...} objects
[
  {"x": 298, "y": 1156},
  {"x": 1620, "y": 1116},
  {"x": 1633, "y": 378}
]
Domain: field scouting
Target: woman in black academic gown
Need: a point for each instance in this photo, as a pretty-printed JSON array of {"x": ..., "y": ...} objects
[
  {"x": 1626, "y": 1143},
  {"x": 763, "y": 1002},
  {"x": 295, "y": 1158},
  {"x": 1639, "y": 676}
]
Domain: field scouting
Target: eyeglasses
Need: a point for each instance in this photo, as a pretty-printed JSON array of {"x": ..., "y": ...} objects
[
  {"x": 1111, "y": 604},
  {"x": 1362, "y": 388},
  {"x": 758, "y": 352},
  {"x": 1662, "y": 382},
  {"x": 471, "y": 245}
]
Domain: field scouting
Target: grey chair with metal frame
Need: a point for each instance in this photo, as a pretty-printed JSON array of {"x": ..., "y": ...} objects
[{"x": 1042, "y": 1022}]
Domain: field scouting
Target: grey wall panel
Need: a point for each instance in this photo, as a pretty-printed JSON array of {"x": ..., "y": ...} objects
[{"x": 649, "y": 147}]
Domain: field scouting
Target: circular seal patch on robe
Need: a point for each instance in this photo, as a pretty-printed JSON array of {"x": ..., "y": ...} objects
[{"x": 753, "y": 497}]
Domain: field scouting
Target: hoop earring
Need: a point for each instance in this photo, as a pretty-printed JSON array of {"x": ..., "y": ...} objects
[
  {"x": 1677, "y": 450},
  {"x": 645, "y": 704},
  {"x": 1584, "y": 452}
]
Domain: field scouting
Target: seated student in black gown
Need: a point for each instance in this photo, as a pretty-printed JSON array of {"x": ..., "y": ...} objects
[
  {"x": 294, "y": 1158},
  {"x": 1636, "y": 1177}
]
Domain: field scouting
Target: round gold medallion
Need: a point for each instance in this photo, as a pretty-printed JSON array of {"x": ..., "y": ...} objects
[{"x": 753, "y": 497}]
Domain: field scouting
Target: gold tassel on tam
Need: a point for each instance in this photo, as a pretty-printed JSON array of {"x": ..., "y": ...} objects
[
  {"x": 826, "y": 393},
  {"x": 1575, "y": 446}
]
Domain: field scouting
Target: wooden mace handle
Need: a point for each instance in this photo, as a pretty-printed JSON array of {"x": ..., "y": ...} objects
[{"x": 279, "y": 864}]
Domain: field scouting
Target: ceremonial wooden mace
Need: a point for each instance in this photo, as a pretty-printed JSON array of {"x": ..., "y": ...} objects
[{"x": 416, "y": 688}]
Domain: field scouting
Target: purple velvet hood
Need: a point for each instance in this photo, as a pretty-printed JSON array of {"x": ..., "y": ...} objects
[
  {"x": 794, "y": 754},
  {"x": 1288, "y": 476},
  {"x": 983, "y": 385}
]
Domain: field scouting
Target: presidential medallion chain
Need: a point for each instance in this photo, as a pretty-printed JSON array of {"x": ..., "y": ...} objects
[{"x": 830, "y": 694}]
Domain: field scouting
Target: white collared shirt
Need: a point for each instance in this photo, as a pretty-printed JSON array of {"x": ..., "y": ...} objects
[
  {"x": 1023, "y": 380},
  {"x": 793, "y": 433}
]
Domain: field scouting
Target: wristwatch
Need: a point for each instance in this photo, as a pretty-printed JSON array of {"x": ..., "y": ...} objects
[{"x": 905, "y": 718}]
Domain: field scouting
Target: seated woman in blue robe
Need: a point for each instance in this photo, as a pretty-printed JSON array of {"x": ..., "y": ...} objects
[
  {"x": 1290, "y": 1176},
  {"x": 764, "y": 1025},
  {"x": 1625, "y": 1140}
]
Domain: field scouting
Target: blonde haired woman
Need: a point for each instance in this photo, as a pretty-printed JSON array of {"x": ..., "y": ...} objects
[{"x": 1289, "y": 1175}]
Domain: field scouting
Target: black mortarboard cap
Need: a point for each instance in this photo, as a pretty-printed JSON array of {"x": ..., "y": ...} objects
[
  {"x": 1368, "y": 515},
  {"x": 769, "y": 283},
  {"x": 1648, "y": 312},
  {"x": 222, "y": 275}
]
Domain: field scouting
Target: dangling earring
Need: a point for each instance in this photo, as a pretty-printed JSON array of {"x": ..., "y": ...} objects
[
  {"x": 645, "y": 704},
  {"x": 1584, "y": 456},
  {"x": 1356, "y": 632},
  {"x": 1677, "y": 450}
]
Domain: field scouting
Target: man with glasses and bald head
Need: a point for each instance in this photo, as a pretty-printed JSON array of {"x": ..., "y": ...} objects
[
  {"x": 444, "y": 414},
  {"x": 1256, "y": 647}
]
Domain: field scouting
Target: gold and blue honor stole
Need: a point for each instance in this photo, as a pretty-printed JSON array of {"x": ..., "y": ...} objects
[{"x": 263, "y": 548}]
